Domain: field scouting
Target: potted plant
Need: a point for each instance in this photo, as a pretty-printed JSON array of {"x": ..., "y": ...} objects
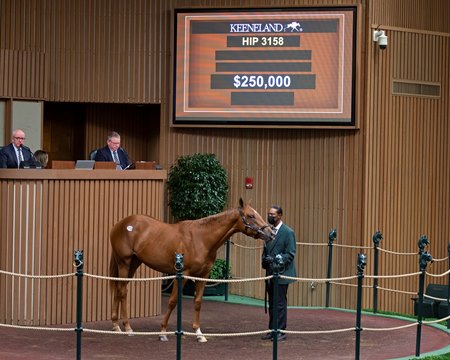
[
  {"x": 198, "y": 187},
  {"x": 212, "y": 288}
]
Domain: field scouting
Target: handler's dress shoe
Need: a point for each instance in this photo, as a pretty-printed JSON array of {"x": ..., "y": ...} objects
[
  {"x": 267, "y": 336},
  {"x": 281, "y": 337}
]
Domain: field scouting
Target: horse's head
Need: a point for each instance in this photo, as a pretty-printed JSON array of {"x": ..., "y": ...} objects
[{"x": 253, "y": 224}]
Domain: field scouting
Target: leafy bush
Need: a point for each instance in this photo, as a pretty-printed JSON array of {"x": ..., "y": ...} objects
[
  {"x": 198, "y": 186},
  {"x": 219, "y": 270}
]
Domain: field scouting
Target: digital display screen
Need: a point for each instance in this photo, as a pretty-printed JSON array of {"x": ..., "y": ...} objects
[{"x": 289, "y": 67}]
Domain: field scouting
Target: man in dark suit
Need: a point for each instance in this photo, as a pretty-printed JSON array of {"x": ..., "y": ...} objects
[
  {"x": 12, "y": 154},
  {"x": 113, "y": 152},
  {"x": 284, "y": 246}
]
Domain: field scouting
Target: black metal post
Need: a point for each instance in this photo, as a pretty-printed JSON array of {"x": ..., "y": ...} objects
[
  {"x": 277, "y": 265},
  {"x": 227, "y": 264},
  {"x": 78, "y": 261},
  {"x": 448, "y": 287},
  {"x": 361, "y": 265},
  {"x": 179, "y": 267},
  {"x": 422, "y": 243},
  {"x": 331, "y": 237},
  {"x": 377, "y": 237},
  {"x": 424, "y": 258}
]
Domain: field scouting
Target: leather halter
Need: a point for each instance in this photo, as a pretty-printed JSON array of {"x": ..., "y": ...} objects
[{"x": 257, "y": 230}]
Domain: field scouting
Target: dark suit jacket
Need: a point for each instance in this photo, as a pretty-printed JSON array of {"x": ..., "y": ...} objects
[
  {"x": 285, "y": 245},
  {"x": 8, "y": 157},
  {"x": 104, "y": 154}
]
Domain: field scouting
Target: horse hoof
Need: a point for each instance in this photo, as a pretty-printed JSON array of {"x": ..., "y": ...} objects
[
  {"x": 116, "y": 328},
  {"x": 163, "y": 338},
  {"x": 130, "y": 332},
  {"x": 201, "y": 339}
]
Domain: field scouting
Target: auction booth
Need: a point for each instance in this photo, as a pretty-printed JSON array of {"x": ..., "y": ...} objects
[{"x": 46, "y": 216}]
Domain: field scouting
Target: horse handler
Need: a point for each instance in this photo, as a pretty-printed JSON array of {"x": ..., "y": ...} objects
[{"x": 284, "y": 245}]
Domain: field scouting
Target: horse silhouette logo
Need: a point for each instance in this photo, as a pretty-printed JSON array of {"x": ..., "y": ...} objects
[{"x": 294, "y": 26}]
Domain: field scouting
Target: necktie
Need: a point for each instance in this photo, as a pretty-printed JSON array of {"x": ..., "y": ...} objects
[
  {"x": 116, "y": 158},
  {"x": 20, "y": 155}
]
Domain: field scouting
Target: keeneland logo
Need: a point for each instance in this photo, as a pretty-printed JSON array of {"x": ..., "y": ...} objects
[
  {"x": 265, "y": 27},
  {"x": 294, "y": 26}
]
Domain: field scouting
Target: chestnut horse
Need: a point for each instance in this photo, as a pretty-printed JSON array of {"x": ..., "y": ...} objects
[{"x": 141, "y": 239}]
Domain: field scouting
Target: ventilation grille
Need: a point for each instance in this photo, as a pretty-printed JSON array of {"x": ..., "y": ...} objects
[{"x": 416, "y": 89}]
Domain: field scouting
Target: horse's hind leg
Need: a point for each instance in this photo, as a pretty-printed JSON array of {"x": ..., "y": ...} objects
[
  {"x": 173, "y": 299},
  {"x": 119, "y": 293},
  {"x": 126, "y": 271}
]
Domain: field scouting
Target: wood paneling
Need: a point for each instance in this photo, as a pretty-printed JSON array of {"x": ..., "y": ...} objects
[
  {"x": 46, "y": 215},
  {"x": 407, "y": 169},
  {"x": 94, "y": 50},
  {"x": 391, "y": 174}
]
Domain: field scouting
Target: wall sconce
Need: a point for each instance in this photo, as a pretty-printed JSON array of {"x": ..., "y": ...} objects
[{"x": 380, "y": 38}]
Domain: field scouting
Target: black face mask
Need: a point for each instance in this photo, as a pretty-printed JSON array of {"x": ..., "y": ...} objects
[{"x": 271, "y": 220}]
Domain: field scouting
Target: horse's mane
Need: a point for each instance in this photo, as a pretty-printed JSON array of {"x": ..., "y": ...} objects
[{"x": 212, "y": 218}]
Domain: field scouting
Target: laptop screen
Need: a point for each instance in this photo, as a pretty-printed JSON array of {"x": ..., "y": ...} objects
[{"x": 85, "y": 164}]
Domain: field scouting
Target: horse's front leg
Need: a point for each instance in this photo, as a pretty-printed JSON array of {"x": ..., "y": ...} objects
[
  {"x": 173, "y": 299},
  {"x": 199, "y": 290}
]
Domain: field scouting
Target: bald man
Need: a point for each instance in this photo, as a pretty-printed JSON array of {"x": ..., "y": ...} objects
[{"x": 16, "y": 151}]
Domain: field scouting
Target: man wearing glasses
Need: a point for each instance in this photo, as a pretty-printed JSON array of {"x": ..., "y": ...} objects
[
  {"x": 113, "y": 152},
  {"x": 12, "y": 154}
]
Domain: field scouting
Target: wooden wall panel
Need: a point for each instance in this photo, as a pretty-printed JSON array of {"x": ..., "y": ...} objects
[
  {"x": 429, "y": 15},
  {"x": 406, "y": 166},
  {"x": 44, "y": 220},
  {"x": 23, "y": 74},
  {"x": 93, "y": 50}
]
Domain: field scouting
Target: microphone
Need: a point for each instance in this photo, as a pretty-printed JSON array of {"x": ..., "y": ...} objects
[
  {"x": 34, "y": 162},
  {"x": 27, "y": 148},
  {"x": 128, "y": 166}
]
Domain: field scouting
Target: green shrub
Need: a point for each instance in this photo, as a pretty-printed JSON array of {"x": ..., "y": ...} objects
[
  {"x": 219, "y": 270},
  {"x": 198, "y": 186}
]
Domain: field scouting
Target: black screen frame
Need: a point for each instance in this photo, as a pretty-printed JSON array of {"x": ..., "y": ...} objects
[{"x": 273, "y": 121}]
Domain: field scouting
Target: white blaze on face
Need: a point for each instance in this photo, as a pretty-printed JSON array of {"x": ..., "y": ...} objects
[{"x": 130, "y": 228}]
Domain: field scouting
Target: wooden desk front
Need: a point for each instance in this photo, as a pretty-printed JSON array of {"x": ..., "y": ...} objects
[{"x": 48, "y": 214}]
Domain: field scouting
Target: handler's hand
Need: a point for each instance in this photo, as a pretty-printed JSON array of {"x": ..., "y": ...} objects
[{"x": 267, "y": 262}]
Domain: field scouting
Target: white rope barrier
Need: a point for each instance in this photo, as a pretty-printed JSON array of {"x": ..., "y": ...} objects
[
  {"x": 228, "y": 280},
  {"x": 37, "y": 276},
  {"x": 130, "y": 279},
  {"x": 354, "y": 246},
  {"x": 138, "y": 333},
  {"x": 247, "y": 247},
  {"x": 319, "y": 331},
  {"x": 343, "y": 284},
  {"x": 391, "y": 276},
  {"x": 318, "y": 280},
  {"x": 396, "y": 253},
  {"x": 25, "y": 327},
  {"x": 331, "y": 280},
  {"x": 312, "y": 244},
  {"x": 434, "y": 298},
  {"x": 227, "y": 334},
  {"x": 392, "y": 328},
  {"x": 435, "y": 321},
  {"x": 398, "y": 291},
  {"x": 438, "y": 275}
]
